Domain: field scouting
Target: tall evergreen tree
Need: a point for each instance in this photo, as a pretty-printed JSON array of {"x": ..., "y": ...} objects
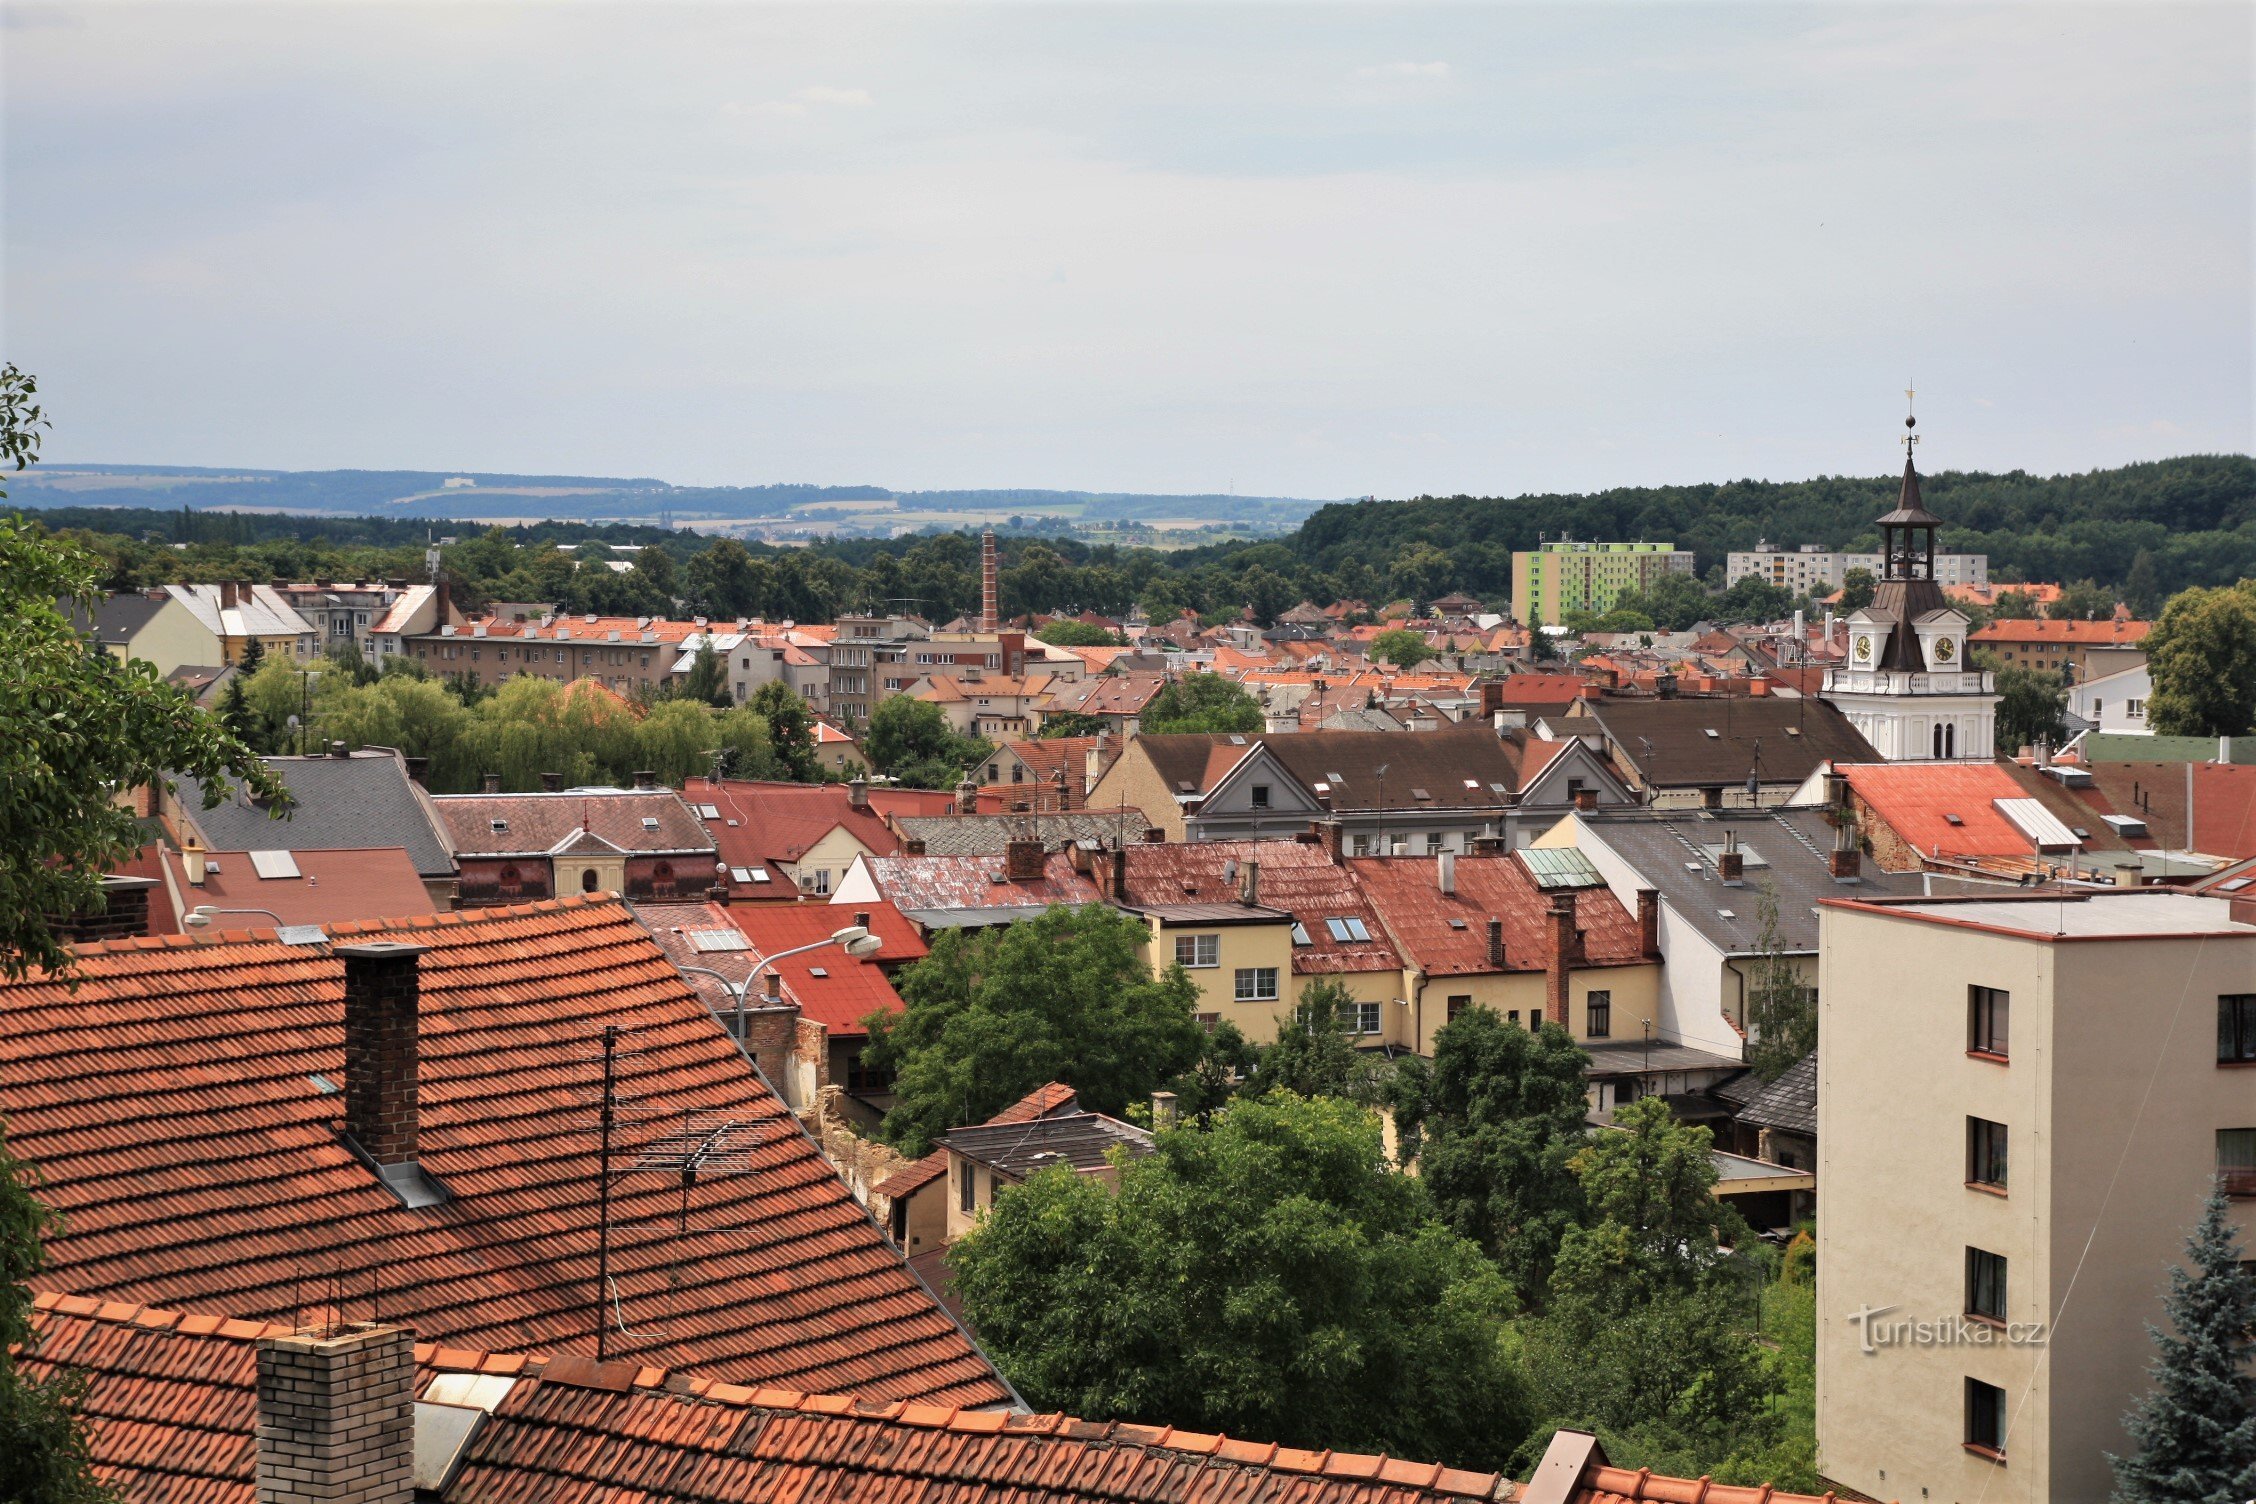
[{"x": 2196, "y": 1429}]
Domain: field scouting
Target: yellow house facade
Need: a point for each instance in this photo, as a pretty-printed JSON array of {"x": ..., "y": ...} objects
[{"x": 1239, "y": 957}]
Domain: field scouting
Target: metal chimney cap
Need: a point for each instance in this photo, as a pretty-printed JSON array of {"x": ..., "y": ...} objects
[{"x": 379, "y": 950}]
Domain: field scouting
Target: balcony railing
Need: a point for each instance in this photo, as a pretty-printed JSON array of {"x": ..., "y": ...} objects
[{"x": 1865, "y": 681}]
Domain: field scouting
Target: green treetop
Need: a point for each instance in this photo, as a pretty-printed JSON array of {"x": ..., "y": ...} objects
[
  {"x": 1201, "y": 702},
  {"x": 2196, "y": 1428},
  {"x": 2202, "y": 656}
]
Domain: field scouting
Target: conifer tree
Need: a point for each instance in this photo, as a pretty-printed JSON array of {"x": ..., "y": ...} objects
[{"x": 2196, "y": 1429}]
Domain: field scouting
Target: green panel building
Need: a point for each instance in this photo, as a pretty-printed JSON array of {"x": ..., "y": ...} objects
[{"x": 1567, "y": 576}]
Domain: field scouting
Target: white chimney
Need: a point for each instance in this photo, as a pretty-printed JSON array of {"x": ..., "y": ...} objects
[{"x": 1445, "y": 871}]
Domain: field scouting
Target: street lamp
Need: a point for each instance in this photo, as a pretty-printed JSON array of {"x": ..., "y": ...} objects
[
  {"x": 200, "y": 917},
  {"x": 855, "y": 940}
]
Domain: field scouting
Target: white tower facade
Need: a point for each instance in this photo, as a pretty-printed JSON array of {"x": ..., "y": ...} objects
[{"x": 1907, "y": 685}]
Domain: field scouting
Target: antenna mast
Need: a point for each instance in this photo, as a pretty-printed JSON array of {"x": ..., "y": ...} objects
[{"x": 604, "y": 1116}]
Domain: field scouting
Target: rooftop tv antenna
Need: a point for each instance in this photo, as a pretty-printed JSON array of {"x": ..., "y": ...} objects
[{"x": 686, "y": 1143}]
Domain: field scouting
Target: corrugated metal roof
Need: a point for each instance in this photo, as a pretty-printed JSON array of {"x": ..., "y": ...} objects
[
  {"x": 1559, "y": 867},
  {"x": 2033, "y": 820}
]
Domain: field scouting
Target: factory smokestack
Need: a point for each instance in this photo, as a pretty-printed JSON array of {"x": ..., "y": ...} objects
[{"x": 990, "y": 584}]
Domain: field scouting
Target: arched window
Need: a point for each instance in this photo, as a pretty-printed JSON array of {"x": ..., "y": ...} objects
[
  {"x": 1950, "y": 741},
  {"x": 1938, "y": 742},
  {"x": 512, "y": 881},
  {"x": 587, "y": 881}
]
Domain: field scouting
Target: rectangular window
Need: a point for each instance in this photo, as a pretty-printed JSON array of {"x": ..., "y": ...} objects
[
  {"x": 1198, "y": 950},
  {"x": 967, "y": 1199},
  {"x": 1514, "y": 1017},
  {"x": 1435, "y": 841},
  {"x": 2236, "y": 1160},
  {"x": 1988, "y": 1011},
  {"x": 1985, "y": 1153},
  {"x": 1348, "y": 929},
  {"x": 1985, "y": 1284},
  {"x": 1458, "y": 1005},
  {"x": 1398, "y": 845},
  {"x": 1207, "y": 1021},
  {"x": 2236, "y": 1027},
  {"x": 817, "y": 881},
  {"x": 1367, "y": 1018},
  {"x": 1362, "y": 845},
  {"x": 1257, "y": 984},
  {"x": 1601, "y": 1013},
  {"x": 1261, "y": 796},
  {"x": 1985, "y": 1418}
]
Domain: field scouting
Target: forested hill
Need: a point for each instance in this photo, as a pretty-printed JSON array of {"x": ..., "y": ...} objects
[{"x": 2194, "y": 516}]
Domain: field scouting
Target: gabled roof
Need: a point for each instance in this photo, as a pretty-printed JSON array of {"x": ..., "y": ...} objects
[
  {"x": 492, "y": 825},
  {"x": 1446, "y": 934},
  {"x": 922, "y": 886},
  {"x": 1298, "y": 877},
  {"x": 1041, "y": 1102},
  {"x": 1046, "y": 758},
  {"x": 1675, "y": 852},
  {"x": 989, "y": 835},
  {"x": 1540, "y": 689},
  {"x": 116, "y": 618},
  {"x": 258, "y": 611},
  {"x": 172, "y": 1413},
  {"x": 179, "y": 1105},
  {"x": 1457, "y": 767},
  {"x": 1953, "y": 809},
  {"x": 831, "y": 987},
  {"x": 1796, "y": 735},
  {"x": 760, "y": 823},
  {"x": 355, "y": 803},
  {"x": 400, "y": 612}
]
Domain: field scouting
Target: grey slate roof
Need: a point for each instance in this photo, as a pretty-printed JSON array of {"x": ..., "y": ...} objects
[
  {"x": 988, "y": 835},
  {"x": 1080, "y": 1139},
  {"x": 1673, "y": 851},
  {"x": 1790, "y": 1102},
  {"x": 1629, "y": 1057},
  {"x": 359, "y": 801},
  {"x": 117, "y": 618}
]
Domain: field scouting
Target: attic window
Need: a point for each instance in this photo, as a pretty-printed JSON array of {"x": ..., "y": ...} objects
[
  {"x": 760, "y": 875},
  {"x": 1323, "y": 788},
  {"x": 1420, "y": 794},
  {"x": 1793, "y": 731},
  {"x": 1725, "y": 914},
  {"x": 1473, "y": 784},
  {"x": 741, "y": 874},
  {"x": 818, "y": 971},
  {"x": 1237, "y": 741},
  {"x": 1498, "y": 788},
  {"x": 1300, "y": 934},
  {"x": 707, "y": 941},
  {"x": 1336, "y": 778},
  {"x": 1456, "y": 924},
  {"x": 323, "y": 1085},
  {"x": 274, "y": 864},
  {"x": 709, "y": 811},
  {"x": 1348, "y": 928},
  {"x": 1711, "y": 731},
  {"x": 500, "y": 827},
  {"x": 1952, "y": 820},
  {"x": 649, "y": 822}
]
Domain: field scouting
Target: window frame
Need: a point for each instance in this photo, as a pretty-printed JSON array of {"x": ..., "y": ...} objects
[
  {"x": 1208, "y": 945},
  {"x": 1250, "y": 977},
  {"x": 1598, "y": 1014},
  {"x": 1989, "y": 1145},
  {"x": 1985, "y": 1402},
  {"x": 967, "y": 1187},
  {"x": 2236, "y": 1028},
  {"x": 1985, "y": 1294},
  {"x": 1989, "y": 1023},
  {"x": 1370, "y": 1018}
]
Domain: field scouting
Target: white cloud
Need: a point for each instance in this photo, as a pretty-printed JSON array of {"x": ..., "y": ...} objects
[{"x": 1404, "y": 70}]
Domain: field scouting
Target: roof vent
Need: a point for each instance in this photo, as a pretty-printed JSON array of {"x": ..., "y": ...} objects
[{"x": 500, "y": 827}]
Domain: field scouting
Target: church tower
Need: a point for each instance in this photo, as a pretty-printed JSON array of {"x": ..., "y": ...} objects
[{"x": 1906, "y": 684}]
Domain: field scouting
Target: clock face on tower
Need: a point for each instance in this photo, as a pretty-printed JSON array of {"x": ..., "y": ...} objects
[
  {"x": 1945, "y": 650},
  {"x": 1864, "y": 650}
]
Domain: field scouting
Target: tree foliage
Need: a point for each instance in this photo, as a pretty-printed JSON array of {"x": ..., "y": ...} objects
[
  {"x": 910, "y": 740},
  {"x": 1781, "y": 1008},
  {"x": 991, "y": 1014},
  {"x": 1401, "y": 647},
  {"x": 2032, "y": 703},
  {"x": 1315, "y": 1056},
  {"x": 1858, "y": 586},
  {"x": 1492, "y": 1123},
  {"x": 1201, "y": 702},
  {"x": 1066, "y": 632},
  {"x": 2202, "y": 656},
  {"x": 1270, "y": 1277},
  {"x": 2196, "y": 1428},
  {"x": 791, "y": 729}
]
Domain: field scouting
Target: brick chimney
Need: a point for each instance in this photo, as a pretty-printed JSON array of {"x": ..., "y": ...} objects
[
  {"x": 1496, "y": 944},
  {"x": 336, "y": 1416},
  {"x": 1329, "y": 836},
  {"x": 123, "y": 915},
  {"x": 1731, "y": 865},
  {"x": 1093, "y": 761},
  {"x": 1064, "y": 791},
  {"x": 1164, "y": 1110},
  {"x": 1566, "y": 950},
  {"x": 552, "y": 783},
  {"x": 1023, "y": 861},
  {"x": 1649, "y": 923},
  {"x": 228, "y": 595},
  {"x": 383, "y": 996},
  {"x": 967, "y": 798},
  {"x": 857, "y": 792},
  {"x": 491, "y": 783},
  {"x": 645, "y": 778},
  {"x": 417, "y": 767}
]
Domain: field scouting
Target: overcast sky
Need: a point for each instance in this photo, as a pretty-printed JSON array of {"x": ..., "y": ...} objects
[{"x": 1298, "y": 250}]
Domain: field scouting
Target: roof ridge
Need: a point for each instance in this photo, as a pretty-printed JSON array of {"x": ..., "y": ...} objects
[{"x": 691, "y": 1388}]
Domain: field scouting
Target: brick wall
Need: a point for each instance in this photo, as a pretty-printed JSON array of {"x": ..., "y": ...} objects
[
  {"x": 382, "y": 1051},
  {"x": 125, "y": 914},
  {"x": 337, "y": 1416},
  {"x": 770, "y": 1031}
]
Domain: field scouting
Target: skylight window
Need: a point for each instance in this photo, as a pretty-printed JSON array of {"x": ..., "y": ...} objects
[
  {"x": 818, "y": 971},
  {"x": 1456, "y": 924},
  {"x": 1710, "y": 731},
  {"x": 1348, "y": 928},
  {"x": 1952, "y": 820},
  {"x": 741, "y": 874},
  {"x": 709, "y": 811},
  {"x": 649, "y": 822},
  {"x": 500, "y": 827},
  {"x": 1726, "y": 914},
  {"x": 1300, "y": 934},
  {"x": 274, "y": 864}
]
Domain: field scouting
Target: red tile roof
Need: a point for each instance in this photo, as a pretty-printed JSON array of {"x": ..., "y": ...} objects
[
  {"x": 1950, "y": 809},
  {"x": 171, "y": 1103},
  {"x": 172, "y": 1413},
  {"x": 849, "y": 990},
  {"x": 1297, "y": 876},
  {"x": 537, "y": 824},
  {"x": 920, "y": 884},
  {"x": 377, "y": 882},
  {"x": 778, "y": 822},
  {"x": 1407, "y": 893},
  {"x": 2067, "y": 633},
  {"x": 1541, "y": 689},
  {"x": 1041, "y": 1102},
  {"x": 2224, "y": 803}
]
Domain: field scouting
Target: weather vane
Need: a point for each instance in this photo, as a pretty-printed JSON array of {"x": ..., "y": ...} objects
[{"x": 1911, "y": 423}]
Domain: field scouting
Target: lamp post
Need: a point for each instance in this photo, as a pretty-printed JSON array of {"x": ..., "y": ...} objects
[{"x": 853, "y": 939}]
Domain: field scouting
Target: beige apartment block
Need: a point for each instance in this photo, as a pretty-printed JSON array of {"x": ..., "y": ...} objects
[{"x": 2023, "y": 1103}]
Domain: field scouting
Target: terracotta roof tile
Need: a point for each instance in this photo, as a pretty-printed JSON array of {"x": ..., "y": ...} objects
[
  {"x": 227, "y": 1187},
  {"x": 1407, "y": 893},
  {"x": 533, "y": 824},
  {"x": 2065, "y": 633}
]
